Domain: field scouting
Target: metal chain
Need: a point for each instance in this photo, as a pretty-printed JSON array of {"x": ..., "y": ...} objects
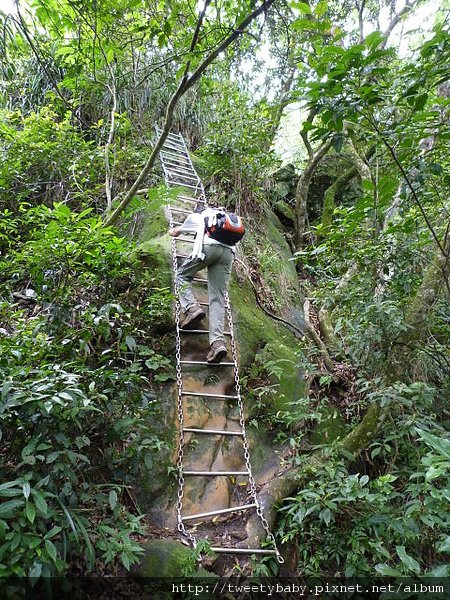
[
  {"x": 179, "y": 378},
  {"x": 179, "y": 375},
  {"x": 248, "y": 465}
]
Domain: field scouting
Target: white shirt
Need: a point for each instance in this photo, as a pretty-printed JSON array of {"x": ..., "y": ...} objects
[{"x": 195, "y": 223}]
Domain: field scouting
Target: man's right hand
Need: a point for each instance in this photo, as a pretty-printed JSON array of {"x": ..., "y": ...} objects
[{"x": 175, "y": 232}]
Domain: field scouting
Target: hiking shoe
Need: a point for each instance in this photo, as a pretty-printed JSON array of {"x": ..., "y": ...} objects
[
  {"x": 192, "y": 316},
  {"x": 217, "y": 352}
]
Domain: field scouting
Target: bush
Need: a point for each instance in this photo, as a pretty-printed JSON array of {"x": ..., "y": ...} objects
[{"x": 78, "y": 364}]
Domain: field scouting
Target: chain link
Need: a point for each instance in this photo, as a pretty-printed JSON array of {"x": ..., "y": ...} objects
[
  {"x": 248, "y": 465},
  {"x": 179, "y": 377},
  {"x": 201, "y": 197}
]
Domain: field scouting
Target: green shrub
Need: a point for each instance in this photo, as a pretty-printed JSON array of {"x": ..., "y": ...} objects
[{"x": 78, "y": 420}]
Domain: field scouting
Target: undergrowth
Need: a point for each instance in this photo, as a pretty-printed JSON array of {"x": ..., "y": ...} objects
[{"x": 79, "y": 363}]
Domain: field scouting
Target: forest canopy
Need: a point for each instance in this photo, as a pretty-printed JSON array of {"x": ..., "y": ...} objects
[{"x": 357, "y": 93}]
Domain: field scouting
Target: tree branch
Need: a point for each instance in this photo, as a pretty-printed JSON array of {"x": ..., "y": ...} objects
[
  {"x": 444, "y": 252},
  {"x": 185, "y": 84},
  {"x": 396, "y": 19},
  {"x": 24, "y": 28}
]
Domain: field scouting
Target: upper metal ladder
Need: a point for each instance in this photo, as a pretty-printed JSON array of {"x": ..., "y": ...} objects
[{"x": 179, "y": 172}]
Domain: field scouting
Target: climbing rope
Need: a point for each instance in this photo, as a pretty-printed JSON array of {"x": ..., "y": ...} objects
[{"x": 170, "y": 175}]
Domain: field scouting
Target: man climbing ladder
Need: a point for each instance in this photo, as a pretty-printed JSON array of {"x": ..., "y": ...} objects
[{"x": 216, "y": 234}]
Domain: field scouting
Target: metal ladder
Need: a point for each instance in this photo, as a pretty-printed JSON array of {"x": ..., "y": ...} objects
[{"x": 180, "y": 172}]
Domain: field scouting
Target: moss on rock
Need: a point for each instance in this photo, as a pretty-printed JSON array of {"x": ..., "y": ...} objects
[
  {"x": 154, "y": 225},
  {"x": 331, "y": 427},
  {"x": 167, "y": 558},
  {"x": 155, "y": 254},
  {"x": 262, "y": 337},
  {"x": 285, "y": 211}
]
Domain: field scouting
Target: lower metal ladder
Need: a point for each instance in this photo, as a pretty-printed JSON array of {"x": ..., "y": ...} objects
[{"x": 179, "y": 172}]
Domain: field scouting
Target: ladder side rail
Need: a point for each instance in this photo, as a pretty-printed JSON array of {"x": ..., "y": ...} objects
[{"x": 181, "y": 393}]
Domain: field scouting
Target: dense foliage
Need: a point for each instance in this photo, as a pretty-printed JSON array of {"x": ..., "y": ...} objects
[
  {"x": 85, "y": 325},
  {"x": 78, "y": 364}
]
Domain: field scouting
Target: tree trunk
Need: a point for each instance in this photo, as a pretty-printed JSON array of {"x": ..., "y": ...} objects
[
  {"x": 338, "y": 186},
  {"x": 301, "y": 195}
]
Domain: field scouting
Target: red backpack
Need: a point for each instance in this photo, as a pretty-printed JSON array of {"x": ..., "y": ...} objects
[{"x": 228, "y": 228}]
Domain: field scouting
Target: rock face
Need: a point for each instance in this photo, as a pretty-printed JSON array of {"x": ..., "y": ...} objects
[{"x": 261, "y": 341}]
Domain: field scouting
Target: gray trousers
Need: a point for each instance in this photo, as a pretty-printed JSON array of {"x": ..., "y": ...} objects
[{"x": 219, "y": 260}]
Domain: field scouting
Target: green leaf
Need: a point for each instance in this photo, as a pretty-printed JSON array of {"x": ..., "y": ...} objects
[
  {"x": 387, "y": 571},
  {"x": 130, "y": 342},
  {"x": 410, "y": 563},
  {"x": 53, "y": 531},
  {"x": 26, "y": 489},
  {"x": 326, "y": 516},
  {"x": 35, "y": 571},
  {"x": 303, "y": 25},
  {"x": 125, "y": 561},
  {"x": 439, "y": 444},
  {"x": 321, "y": 9},
  {"x": 301, "y": 7},
  {"x": 374, "y": 39},
  {"x": 40, "y": 502},
  {"x": 112, "y": 499},
  {"x": 51, "y": 549},
  {"x": 30, "y": 511},
  {"x": 9, "y": 484},
  {"x": 420, "y": 101},
  {"x": 444, "y": 546},
  {"x": 439, "y": 571},
  {"x": 10, "y": 506}
]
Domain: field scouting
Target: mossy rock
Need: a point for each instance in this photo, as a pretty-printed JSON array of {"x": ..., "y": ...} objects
[
  {"x": 154, "y": 225},
  {"x": 169, "y": 558},
  {"x": 285, "y": 212},
  {"x": 331, "y": 427},
  {"x": 155, "y": 254},
  {"x": 285, "y": 173},
  {"x": 273, "y": 253},
  {"x": 166, "y": 558},
  {"x": 156, "y": 487},
  {"x": 259, "y": 335}
]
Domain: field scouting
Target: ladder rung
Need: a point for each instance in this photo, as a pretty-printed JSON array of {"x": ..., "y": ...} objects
[
  {"x": 216, "y": 473},
  {"x": 175, "y": 156},
  {"x": 191, "y": 199},
  {"x": 212, "y": 431},
  {"x": 242, "y": 551},
  {"x": 169, "y": 145},
  {"x": 176, "y": 167},
  {"x": 201, "y": 331},
  {"x": 222, "y": 511},
  {"x": 175, "y": 135},
  {"x": 183, "y": 211},
  {"x": 178, "y": 183},
  {"x": 181, "y": 176},
  {"x": 174, "y": 173},
  {"x": 180, "y": 239},
  {"x": 179, "y": 223},
  {"x": 203, "y": 362},
  {"x": 194, "y": 202},
  {"x": 159, "y": 131},
  {"x": 177, "y": 143},
  {"x": 204, "y": 395}
]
